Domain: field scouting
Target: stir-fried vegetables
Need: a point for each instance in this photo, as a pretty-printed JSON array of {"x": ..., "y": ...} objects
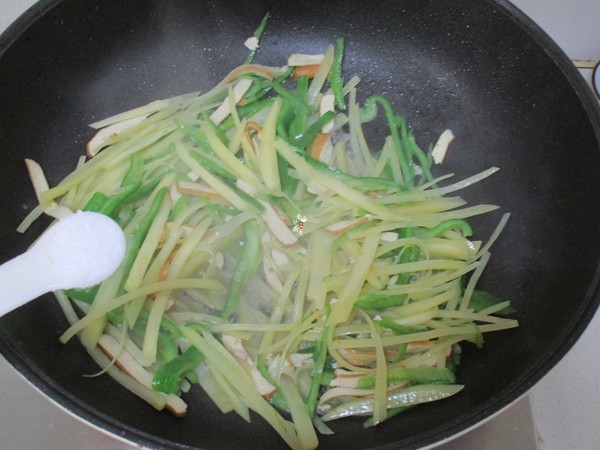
[{"x": 274, "y": 257}]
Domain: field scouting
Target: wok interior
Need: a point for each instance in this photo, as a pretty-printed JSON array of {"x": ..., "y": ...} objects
[{"x": 465, "y": 65}]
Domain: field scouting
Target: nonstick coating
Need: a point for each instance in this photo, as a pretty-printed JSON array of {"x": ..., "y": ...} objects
[{"x": 478, "y": 67}]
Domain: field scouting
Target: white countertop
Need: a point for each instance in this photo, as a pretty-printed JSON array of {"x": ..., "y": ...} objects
[{"x": 565, "y": 404}]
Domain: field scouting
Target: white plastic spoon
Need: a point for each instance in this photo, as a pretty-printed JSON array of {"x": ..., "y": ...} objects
[{"x": 78, "y": 251}]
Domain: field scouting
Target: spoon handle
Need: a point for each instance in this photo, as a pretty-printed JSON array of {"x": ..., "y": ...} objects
[{"x": 22, "y": 279}]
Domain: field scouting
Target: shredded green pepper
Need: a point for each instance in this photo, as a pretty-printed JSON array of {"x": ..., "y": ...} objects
[
  {"x": 135, "y": 171},
  {"x": 211, "y": 166},
  {"x": 216, "y": 129},
  {"x": 379, "y": 300},
  {"x": 292, "y": 99},
  {"x": 303, "y": 139},
  {"x": 142, "y": 230},
  {"x": 245, "y": 267},
  {"x": 319, "y": 357},
  {"x": 420, "y": 375},
  {"x": 401, "y": 150},
  {"x": 443, "y": 227},
  {"x": 168, "y": 377},
  {"x": 258, "y": 34},
  {"x": 482, "y": 300},
  {"x": 247, "y": 110},
  {"x": 337, "y": 80}
]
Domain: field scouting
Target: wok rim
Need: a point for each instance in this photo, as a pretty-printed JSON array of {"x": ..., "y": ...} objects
[{"x": 443, "y": 434}]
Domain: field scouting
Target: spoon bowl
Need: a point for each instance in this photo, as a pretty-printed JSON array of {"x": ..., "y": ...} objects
[{"x": 78, "y": 251}]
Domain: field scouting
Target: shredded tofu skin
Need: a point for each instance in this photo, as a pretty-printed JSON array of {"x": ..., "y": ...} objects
[{"x": 275, "y": 258}]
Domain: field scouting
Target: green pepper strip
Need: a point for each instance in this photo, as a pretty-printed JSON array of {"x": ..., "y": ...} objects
[
  {"x": 135, "y": 171},
  {"x": 144, "y": 190},
  {"x": 86, "y": 295},
  {"x": 402, "y": 152},
  {"x": 410, "y": 253},
  {"x": 142, "y": 231},
  {"x": 258, "y": 33},
  {"x": 168, "y": 377},
  {"x": 216, "y": 129},
  {"x": 259, "y": 207},
  {"x": 368, "y": 112},
  {"x": 110, "y": 205},
  {"x": 302, "y": 88},
  {"x": 259, "y": 88},
  {"x": 401, "y": 124},
  {"x": 360, "y": 183},
  {"x": 196, "y": 135},
  {"x": 212, "y": 166},
  {"x": 420, "y": 375},
  {"x": 424, "y": 162},
  {"x": 179, "y": 206},
  {"x": 398, "y": 330},
  {"x": 382, "y": 300},
  {"x": 167, "y": 338},
  {"x": 96, "y": 202},
  {"x": 115, "y": 202},
  {"x": 289, "y": 184},
  {"x": 277, "y": 399},
  {"x": 328, "y": 375},
  {"x": 396, "y": 327},
  {"x": 482, "y": 300},
  {"x": 379, "y": 300},
  {"x": 262, "y": 368},
  {"x": 247, "y": 110},
  {"x": 388, "y": 172},
  {"x": 410, "y": 145},
  {"x": 169, "y": 332},
  {"x": 284, "y": 205},
  {"x": 297, "y": 125},
  {"x": 167, "y": 347},
  {"x": 319, "y": 357},
  {"x": 286, "y": 115},
  {"x": 446, "y": 225},
  {"x": 337, "y": 81},
  {"x": 311, "y": 132},
  {"x": 409, "y": 396},
  {"x": 293, "y": 99},
  {"x": 285, "y": 75},
  {"x": 217, "y": 212},
  {"x": 245, "y": 267},
  {"x": 164, "y": 152}
]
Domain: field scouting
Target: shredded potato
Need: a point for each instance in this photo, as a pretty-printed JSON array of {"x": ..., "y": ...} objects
[{"x": 281, "y": 275}]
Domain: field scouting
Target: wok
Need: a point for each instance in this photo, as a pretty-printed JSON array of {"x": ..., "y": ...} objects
[{"x": 478, "y": 67}]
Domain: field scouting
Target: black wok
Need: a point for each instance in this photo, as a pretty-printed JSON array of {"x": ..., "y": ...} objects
[{"x": 478, "y": 67}]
